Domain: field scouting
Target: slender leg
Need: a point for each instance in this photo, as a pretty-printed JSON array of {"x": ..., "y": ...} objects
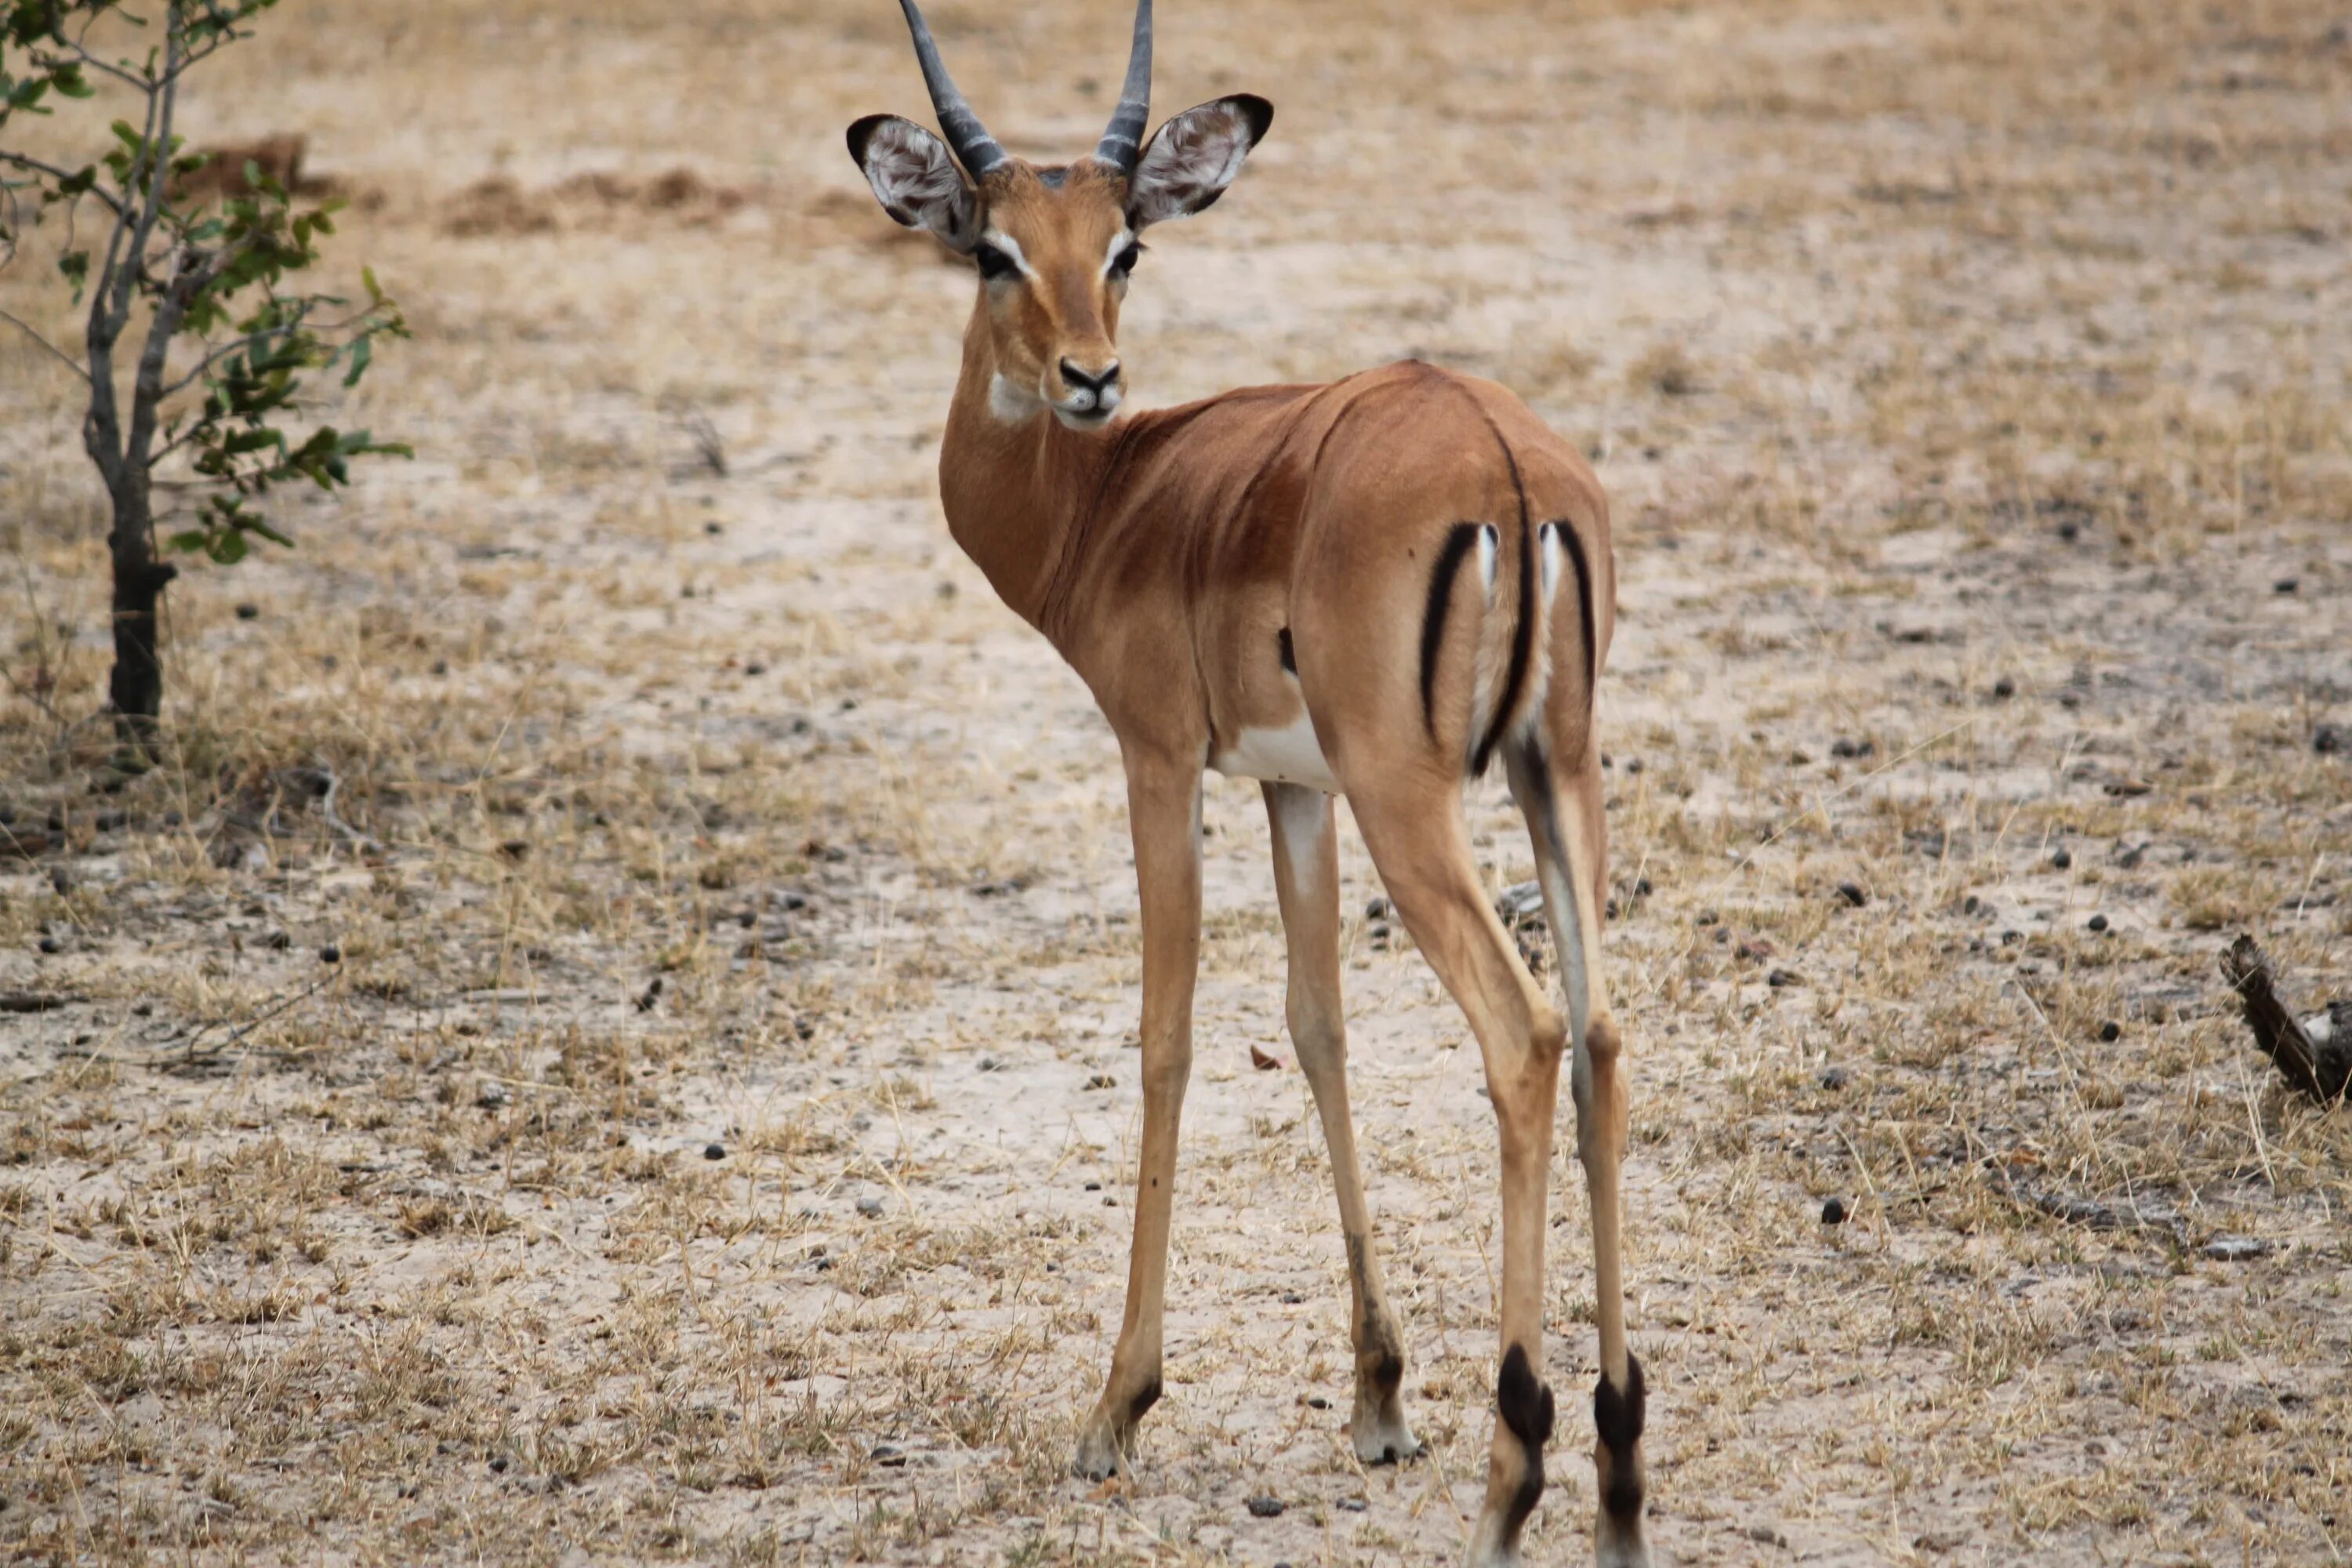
[
  {"x": 1307, "y": 882},
  {"x": 1563, "y": 809},
  {"x": 1163, "y": 799},
  {"x": 1415, "y": 833}
]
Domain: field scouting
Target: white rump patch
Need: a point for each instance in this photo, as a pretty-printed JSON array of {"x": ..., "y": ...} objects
[
  {"x": 1289, "y": 755},
  {"x": 1554, "y": 555},
  {"x": 1490, "y": 543}
]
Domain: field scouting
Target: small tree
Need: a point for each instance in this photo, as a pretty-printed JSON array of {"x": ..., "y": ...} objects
[{"x": 205, "y": 275}]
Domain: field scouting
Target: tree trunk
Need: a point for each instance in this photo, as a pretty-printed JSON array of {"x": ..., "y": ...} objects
[{"x": 137, "y": 686}]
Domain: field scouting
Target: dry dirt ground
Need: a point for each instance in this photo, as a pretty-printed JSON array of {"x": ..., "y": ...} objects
[{"x": 711, "y": 1142}]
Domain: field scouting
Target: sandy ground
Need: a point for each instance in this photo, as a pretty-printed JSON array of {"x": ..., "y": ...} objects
[{"x": 710, "y": 1142}]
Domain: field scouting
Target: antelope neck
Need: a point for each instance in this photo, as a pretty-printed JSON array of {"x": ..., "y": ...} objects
[{"x": 1014, "y": 492}]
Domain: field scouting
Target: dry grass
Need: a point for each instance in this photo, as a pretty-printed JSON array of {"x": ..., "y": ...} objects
[{"x": 1968, "y": 380}]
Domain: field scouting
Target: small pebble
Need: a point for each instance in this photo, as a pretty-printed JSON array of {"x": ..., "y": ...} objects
[
  {"x": 2235, "y": 1248},
  {"x": 247, "y": 612},
  {"x": 2060, "y": 859},
  {"x": 51, "y": 944},
  {"x": 1354, "y": 1504},
  {"x": 331, "y": 954},
  {"x": 871, "y": 1207},
  {"x": 1265, "y": 1506},
  {"x": 1379, "y": 910},
  {"x": 1833, "y": 1078},
  {"x": 1102, "y": 1080},
  {"x": 1833, "y": 1212},
  {"x": 277, "y": 941},
  {"x": 2329, "y": 739},
  {"x": 1852, "y": 894},
  {"x": 2004, "y": 688},
  {"x": 714, "y": 1152},
  {"x": 2286, "y": 586},
  {"x": 2111, "y": 1031},
  {"x": 1780, "y": 977},
  {"x": 1291, "y": 1298},
  {"x": 1317, "y": 1402},
  {"x": 59, "y": 882},
  {"x": 2098, "y": 922},
  {"x": 1093, "y": 1187}
]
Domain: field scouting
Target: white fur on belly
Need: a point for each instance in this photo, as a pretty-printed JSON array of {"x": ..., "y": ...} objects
[{"x": 1287, "y": 756}]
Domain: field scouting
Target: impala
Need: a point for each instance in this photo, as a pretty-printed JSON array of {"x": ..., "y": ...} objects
[{"x": 1371, "y": 588}]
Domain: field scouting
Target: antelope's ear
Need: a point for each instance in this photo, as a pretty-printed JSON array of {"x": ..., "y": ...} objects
[
  {"x": 1193, "y": 157},
  {"x": 915, "y": 179}
]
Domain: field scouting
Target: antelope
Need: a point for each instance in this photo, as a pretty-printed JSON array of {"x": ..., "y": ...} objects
[{"x": 1372, "y": 587}]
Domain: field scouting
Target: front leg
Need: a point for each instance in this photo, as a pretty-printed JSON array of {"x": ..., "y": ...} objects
[{"x": 1163, "y": 804}]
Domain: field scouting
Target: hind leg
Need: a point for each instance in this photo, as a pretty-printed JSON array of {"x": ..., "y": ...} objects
[
  {"x": 1307, "y": 882},
  {"x": 1563, "y": 809},
  {"x": 1414, "y": 828}
]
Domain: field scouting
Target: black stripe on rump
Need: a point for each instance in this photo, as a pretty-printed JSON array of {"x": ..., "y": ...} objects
[
  {"x": 1567, "y": 535},
  {"x": 1458, "y": 540},
  {"x": 1523, "y": 634},
  {"x": 1289, "y": 654}
]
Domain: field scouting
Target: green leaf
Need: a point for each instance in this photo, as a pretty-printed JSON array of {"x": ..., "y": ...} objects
[
  {"x": 188, "y": 539},
  {"x": 363, "y": 353}
]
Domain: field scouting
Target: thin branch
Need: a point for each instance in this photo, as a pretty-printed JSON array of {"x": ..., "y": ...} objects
[
  {"x": 63, "y": 358},
  {"x": 82, "y": 56},
  {"x": 155, "y": 132},
  {"x": 178, "y": 288},
  {"x": 210, "y": 360},
  {"x": 37, "y": 167}
]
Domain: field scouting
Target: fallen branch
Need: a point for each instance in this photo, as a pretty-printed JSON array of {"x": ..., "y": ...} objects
[{"x": 2321, "y": 1069}]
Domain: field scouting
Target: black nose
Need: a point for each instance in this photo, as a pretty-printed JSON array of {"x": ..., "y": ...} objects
[{"x": 1100, "y": 382}]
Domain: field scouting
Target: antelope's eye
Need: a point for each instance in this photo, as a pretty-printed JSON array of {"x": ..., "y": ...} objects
[
  {"x": 994, "y": 263},
  {"x": 1124, "y": 262}
]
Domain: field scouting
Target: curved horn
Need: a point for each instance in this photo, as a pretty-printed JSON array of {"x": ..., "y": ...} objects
[
  {"x": 974, "y": 147},
  {"x": 1122, "y": 142}
]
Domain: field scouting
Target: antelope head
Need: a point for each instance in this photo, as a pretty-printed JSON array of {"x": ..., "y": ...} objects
[{"x": 1055, "y": 245}]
